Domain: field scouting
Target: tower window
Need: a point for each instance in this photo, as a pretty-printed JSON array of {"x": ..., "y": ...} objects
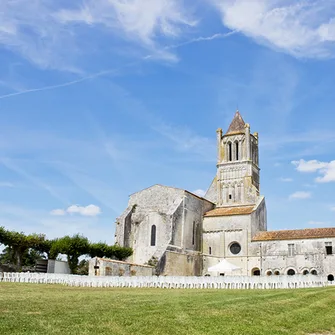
[
  {"x": 230, "y": 153},
  {"x": 329, "y": 248},
  {"x": 210, "y": 250},
  {"x": 230, "y": 197},
  {"x": 236, "y": 151},
  {"x": 153, "y": 235}
]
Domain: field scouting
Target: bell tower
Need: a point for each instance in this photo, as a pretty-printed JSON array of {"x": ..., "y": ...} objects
[{"x": 237, "y": 179}]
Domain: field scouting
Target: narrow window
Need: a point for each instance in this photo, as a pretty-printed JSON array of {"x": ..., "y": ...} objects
[
  {"x": 290, "y": 250},
  {"x": 236, "y": 144},
  {"x": 229, "y": 196},
  {"x": 153, "y": 235},
  {"x": 193, "y": 233},
  {"x": 230, "y": 153},
  {"x": 329, "y": 248},
  {"x": 210, "y": 250}
]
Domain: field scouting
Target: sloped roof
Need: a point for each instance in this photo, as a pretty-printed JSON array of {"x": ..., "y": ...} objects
[
  {"x": 296, "y": 234},
  {"x": 237, "y": 125},
  {"x": 233, "y": 210}
]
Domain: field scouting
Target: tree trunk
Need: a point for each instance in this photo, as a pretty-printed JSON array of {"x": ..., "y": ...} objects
[{"x": 18, "y": 260}]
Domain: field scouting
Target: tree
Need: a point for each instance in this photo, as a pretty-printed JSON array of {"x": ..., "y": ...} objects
[
  {"x": 19, "y": 243},
  {"x": 98, "y": 249},
  {"x": 120, "y": 253},
  {"x": 101, "y": 250},
  {"x": 73, "y": 247}
]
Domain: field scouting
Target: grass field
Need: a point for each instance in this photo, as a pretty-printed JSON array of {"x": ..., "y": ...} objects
[{"x": 53, "y": 309}]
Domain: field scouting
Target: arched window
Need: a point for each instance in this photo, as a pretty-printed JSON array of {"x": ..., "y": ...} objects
[
  {"x": 236, "y": 150},
  {"x": 210, "y": 250},
  {"x": 153, "y": 235},
  {"x": 305, "y": 272},
  {"x": 291, "y": 272},
  {"x": 314, "y": 272},
  {"x": 330, "y": 277},
  {"x": 230, "y": 152},
  {"x": 277, "y": 273},
  {"x": 256, "y": 272},
  {"x": 269, "y": 273}
]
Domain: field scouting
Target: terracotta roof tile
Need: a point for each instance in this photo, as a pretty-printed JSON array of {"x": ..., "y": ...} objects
[
  {"x": 233, "y": 210},
  {"x": 237, "y": 125},
  {"x": 294, "y": 234}
]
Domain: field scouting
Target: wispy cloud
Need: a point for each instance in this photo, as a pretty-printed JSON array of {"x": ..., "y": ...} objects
[
  {"x": 6, "y": 184},
  {"x": 311, "y": 24},
  {"x": 326, "y": 169},
  {"x": 199, "y": 192},
  {"x": 90, "y": 210},
  {"x": 300, "y": 195},
  {"x": 318, "y": 223},
  {"x": 9, "y": 164},
  {"x": 46, "y": 33},
  {"x": 286, "y": 180}
]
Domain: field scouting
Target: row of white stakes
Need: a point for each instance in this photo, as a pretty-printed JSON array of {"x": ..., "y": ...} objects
[{"x": 176, "y": 282}]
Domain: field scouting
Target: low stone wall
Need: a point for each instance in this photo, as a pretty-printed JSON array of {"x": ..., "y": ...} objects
[{"x": 109, "y": 267}]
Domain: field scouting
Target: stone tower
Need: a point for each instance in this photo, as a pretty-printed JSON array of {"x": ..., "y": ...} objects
[{"x": 237, "y": 179}]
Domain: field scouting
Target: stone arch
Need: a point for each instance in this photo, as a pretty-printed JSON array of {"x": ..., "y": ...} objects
[
  {"x": 256, "y": 272},
  {"x": 291, "y": 271}
]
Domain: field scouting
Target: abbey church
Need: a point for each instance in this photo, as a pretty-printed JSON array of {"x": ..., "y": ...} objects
[{"x": 183, "y": 234}]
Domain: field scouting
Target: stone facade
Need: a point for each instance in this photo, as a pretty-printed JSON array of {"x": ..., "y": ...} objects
[
  {"x": 183, "y": 234},
  {"x": 109, "y": 267}
]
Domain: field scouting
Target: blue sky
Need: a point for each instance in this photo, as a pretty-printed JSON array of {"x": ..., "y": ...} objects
[{"x": 105, "y": 97}]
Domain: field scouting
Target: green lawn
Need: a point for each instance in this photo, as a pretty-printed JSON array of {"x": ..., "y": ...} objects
[{"x": 54, "y": 309}]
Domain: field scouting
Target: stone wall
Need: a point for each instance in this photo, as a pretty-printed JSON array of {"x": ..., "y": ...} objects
[
  {"x": 180, "y": 264},
  {"x": 109, "y": 267}
]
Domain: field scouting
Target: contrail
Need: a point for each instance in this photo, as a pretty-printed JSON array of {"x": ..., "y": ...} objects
[
  {"x": 102, "y": 73},
  {"x": 46, "y": 88},
  {"x": 201, "y": 39}
]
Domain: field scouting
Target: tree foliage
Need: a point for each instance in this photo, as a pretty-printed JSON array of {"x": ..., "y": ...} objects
[
  {"x": 26, "y": 249},
  {"x": 19, "y": 243},
  {"x": 73, "y": 247},
  {"x": 101, "y": 250}
]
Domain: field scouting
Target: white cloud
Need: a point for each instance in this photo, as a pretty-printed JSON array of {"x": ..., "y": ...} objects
[
  {"x": 326, "y": 169},
  {"x": 58, "y": 212},
  {"x": 199, "y": 192},
  {"x": 48, "y": 33},
  {"x": 317, "y": 223},
  {"x": 300, "y": 195},
  {"x": 304, "y": 28},
  {"x": 90, "y": 210},
  {"x": 286, "y": 180}
]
